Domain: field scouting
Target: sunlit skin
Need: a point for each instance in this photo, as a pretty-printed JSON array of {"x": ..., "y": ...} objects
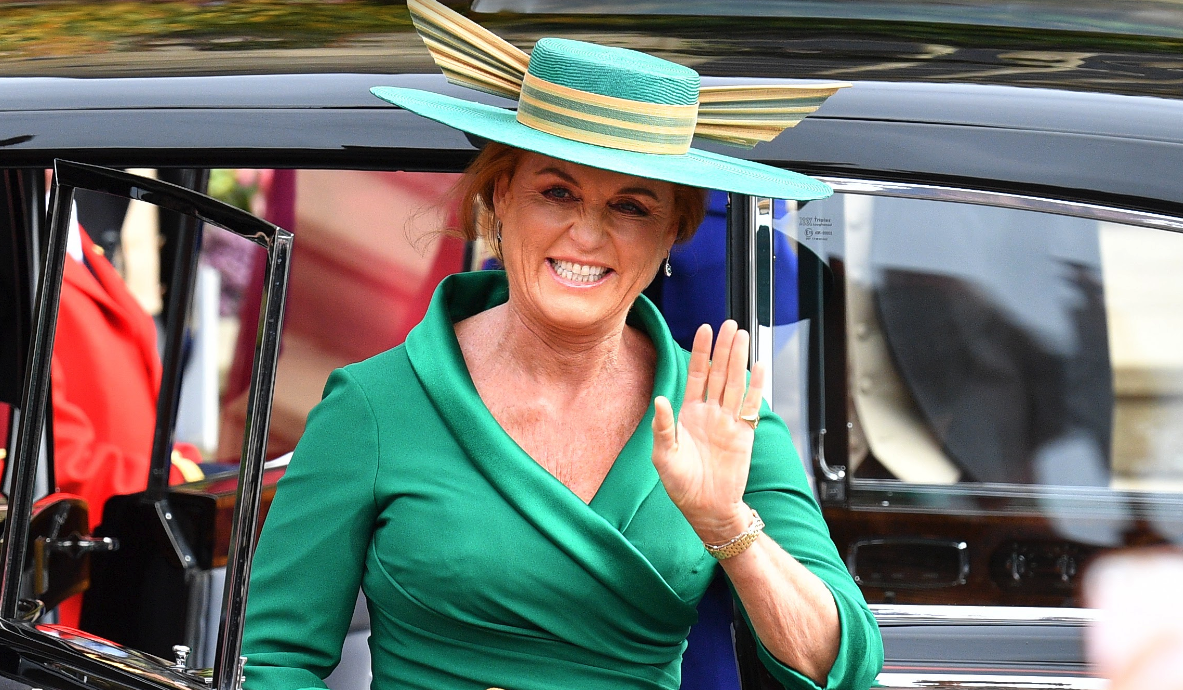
[
  {"x": 569, "y": 381},
  {"x": 554, "y": 210}
]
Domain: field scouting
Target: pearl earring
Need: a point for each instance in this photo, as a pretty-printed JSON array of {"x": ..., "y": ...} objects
[{"x": 669, "y": 271}]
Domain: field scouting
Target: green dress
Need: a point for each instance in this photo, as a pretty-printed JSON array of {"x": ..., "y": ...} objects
[{"x": 480, "y": 568}]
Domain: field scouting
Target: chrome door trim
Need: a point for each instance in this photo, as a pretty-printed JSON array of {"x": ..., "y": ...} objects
[
  {"x": 979, "y": 681},
  {"x": 228, "y": 662},
  {"x": 897, "y": 615},
  {"x": 761, "y": 344},
  {"x": 1007, "y": 200}
]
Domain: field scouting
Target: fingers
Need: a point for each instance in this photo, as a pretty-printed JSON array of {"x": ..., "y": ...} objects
[
  {"x": 737, "y": 370},
  {"x": 717, "y": 379},
  {"x": 665, "y": 435},
  {"x": 700, "y": 359},
  {"x": 721, "y": 376},
  {"x": 755, "y": 395}
]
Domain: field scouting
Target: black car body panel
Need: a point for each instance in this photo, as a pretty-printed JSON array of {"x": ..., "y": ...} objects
[{"x": 1121, "y": 150}]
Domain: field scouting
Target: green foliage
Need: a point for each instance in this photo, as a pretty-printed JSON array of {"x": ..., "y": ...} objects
[
  {"x": 74, "y": 27},
  {"x": 228, "y": 187}
]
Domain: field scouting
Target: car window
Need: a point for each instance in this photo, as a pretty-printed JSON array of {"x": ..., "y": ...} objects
[
  {"x": 1020, "y": 346},
  {"x": 1012, "y": 394},
  {"x": 370, "y": 249}
]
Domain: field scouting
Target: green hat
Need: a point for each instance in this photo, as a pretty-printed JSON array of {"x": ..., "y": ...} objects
[{"x": 609, "y": 108}]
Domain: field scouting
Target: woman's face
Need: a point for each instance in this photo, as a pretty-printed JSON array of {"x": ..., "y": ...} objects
[{"x": 580, "y": 243}]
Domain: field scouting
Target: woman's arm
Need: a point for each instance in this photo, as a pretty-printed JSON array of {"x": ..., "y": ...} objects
[
  {"x": 790, "y": 608},
  {"x": 812, "y": 624},
  {"x": 308, "y": 567}
]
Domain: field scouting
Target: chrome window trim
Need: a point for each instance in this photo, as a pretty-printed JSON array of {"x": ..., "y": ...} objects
[
  {"x": 1002, "y": 199},
  {"x": 896, "y": 615},
  {"x": 979, "y": 681},
  {"x": 1010, "y": 499}
]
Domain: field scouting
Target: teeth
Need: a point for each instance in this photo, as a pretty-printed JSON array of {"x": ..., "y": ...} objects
[{"x": 579, "y": 273}]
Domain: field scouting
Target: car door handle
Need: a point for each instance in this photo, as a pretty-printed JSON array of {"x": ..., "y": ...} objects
[
  {"x": 78, "y": 546},
  {"x": 74, "y": 546}
]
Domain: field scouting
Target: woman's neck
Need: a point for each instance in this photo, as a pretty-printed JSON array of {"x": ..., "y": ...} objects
[
  {"x": 558, "y": 356},
  {"x": 513, "y": 344}
]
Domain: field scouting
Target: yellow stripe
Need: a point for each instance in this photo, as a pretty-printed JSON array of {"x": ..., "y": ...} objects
[
  {"x": 469, "y": 31},
  {"x": 597, "y": 139},
  {"x": 739, "y": 130},
  {"x": 604, "y": 120},
  {"x": 706, "y": 110},
  {"x": 190, "y": 471},
  {"x": 735, "y": 122},
  {"x": 767, "y": 92},
  {"x": 637, "y": 107}
]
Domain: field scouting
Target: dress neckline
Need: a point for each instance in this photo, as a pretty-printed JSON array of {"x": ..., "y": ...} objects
[{"x": 594, "y": 530}]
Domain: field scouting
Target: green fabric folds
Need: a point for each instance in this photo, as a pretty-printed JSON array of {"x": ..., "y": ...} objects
[{"x": 480, "y": 568}]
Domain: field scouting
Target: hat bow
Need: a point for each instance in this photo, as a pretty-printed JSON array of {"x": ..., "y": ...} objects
[{"x": 612, "y": 97}]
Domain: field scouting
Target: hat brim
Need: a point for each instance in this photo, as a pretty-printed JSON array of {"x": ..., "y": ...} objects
[{"x": 696, "y": 168}]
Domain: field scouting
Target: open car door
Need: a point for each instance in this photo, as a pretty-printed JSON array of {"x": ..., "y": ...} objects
[{"x": 19, "y": 630}]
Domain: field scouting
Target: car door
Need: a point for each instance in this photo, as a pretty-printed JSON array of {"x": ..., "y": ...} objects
[
  {"x": 78, "y": 650},
  {"x": 993, "y": 403}
]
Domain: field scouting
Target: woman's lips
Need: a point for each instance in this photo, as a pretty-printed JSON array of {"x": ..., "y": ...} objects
[{"x": 578, "y": 275}]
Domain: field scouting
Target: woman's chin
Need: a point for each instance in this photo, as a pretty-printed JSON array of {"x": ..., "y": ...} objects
[{"x": 578, "y": 311}]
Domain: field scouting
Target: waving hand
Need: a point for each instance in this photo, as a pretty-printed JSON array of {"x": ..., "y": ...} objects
[{"x": 703, "y": 456}]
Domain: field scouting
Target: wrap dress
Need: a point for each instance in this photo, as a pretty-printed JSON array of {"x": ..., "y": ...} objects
[{"x": 480, "y": 568}]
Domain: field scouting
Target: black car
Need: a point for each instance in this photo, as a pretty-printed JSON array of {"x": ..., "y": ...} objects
[{"x": 973, "y": 341}]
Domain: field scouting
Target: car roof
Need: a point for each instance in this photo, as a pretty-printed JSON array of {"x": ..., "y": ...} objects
[
  {"x": 1131, "y": 47},
  {"x": 1093, "y": 147}
]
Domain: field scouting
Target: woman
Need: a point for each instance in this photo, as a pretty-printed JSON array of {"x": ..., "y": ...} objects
[{"x": 535, "y": 490}]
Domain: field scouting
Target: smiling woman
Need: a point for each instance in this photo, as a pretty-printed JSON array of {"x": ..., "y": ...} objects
[{"x": 535, "y": 491}]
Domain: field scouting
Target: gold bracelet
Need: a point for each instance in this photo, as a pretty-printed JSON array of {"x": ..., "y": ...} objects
[{"x": 738, "y": 544}]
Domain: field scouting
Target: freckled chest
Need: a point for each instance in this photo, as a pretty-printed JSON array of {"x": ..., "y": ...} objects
[
  {"x": 578, "y": 439},
  {"x": 574, "y": 432}
]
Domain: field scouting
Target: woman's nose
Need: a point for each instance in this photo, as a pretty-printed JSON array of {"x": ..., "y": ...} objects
[{"x": 588, "y": 229}]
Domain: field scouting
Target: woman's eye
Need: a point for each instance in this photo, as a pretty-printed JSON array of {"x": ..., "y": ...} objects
[
  {"x": 558, "y": 193},
  {"x": 631, "y": 208}
]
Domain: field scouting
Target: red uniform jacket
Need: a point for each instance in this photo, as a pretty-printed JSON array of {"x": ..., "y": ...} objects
[{"x": 106, "y": 376}]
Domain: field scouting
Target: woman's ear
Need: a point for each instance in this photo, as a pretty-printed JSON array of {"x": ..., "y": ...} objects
[
  {"x": 500, "y": 190},
  {"x": 671, "y": 235}
]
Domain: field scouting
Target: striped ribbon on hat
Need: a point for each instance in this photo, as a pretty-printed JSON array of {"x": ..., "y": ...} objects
[{"x": 470, "y": 55}]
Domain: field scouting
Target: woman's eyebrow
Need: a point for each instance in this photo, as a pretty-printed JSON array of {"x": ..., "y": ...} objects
[
  {"x": 560, "y": 174},
  {"x": 571, "y": 180},
  {"x": 640, "y": 190}
]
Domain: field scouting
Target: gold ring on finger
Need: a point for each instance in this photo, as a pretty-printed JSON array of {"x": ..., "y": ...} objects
[{"x": 753, "y": 419}]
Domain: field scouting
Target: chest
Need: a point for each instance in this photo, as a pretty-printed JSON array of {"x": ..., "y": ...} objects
[
  {"x": 576, "y": 438},
  {"x": 499, "y": 545}
]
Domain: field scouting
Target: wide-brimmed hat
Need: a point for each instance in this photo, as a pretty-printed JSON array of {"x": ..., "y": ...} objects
[{"x": 609, "y": 108}]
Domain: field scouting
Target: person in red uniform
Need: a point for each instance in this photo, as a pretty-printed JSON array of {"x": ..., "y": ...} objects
[{"x": 106, "y": 377}]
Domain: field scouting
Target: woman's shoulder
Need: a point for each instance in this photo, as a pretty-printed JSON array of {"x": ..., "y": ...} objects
[
  {"x": 381, "y": 366},
  {"x": 373, "y": 377}
]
